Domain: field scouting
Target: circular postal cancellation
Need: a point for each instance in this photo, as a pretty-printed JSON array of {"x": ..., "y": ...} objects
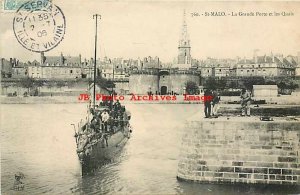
[{"x": 39, "y": 25}]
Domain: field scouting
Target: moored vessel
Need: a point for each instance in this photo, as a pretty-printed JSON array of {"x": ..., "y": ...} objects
[
  {"x": 105, "y": 129},
  {"x": 102, "y": 135}
]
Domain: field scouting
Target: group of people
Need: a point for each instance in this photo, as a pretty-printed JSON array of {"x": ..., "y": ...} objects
[
  {"x": 105, "y": 119},
  {"x": 211, "y": 105},
  {"x": 114, "y": 115}
]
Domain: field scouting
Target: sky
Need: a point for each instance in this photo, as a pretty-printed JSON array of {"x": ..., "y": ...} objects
[{"x": 132, "y": 29}]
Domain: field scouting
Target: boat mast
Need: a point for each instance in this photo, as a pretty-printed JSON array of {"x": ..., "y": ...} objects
[
  {"x": 95, "y": 16},
  {"x": 113, "y": 80}
]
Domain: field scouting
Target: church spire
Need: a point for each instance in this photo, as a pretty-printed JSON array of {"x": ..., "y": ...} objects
[
  {"x": 184, "y": 39},
  {"x": 184, "y": 48}
]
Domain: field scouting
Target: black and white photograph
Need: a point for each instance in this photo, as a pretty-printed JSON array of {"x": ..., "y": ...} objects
[{"x": 150, "y": 97}]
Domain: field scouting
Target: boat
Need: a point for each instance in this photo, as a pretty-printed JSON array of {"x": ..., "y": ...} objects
[
  {"x": 103, "y": 133},
  {"x": 96, "y": 148}
]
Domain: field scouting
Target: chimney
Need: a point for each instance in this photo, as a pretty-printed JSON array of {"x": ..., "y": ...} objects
[
  {"x": 255, "y": 56},
  {"x": 85, "y": 63},
  {"x": 42, "y": 58},
  {"x": 11, "y": 62},
  {"x": 79, "y": 59},
  {"x": 15, "y": 62},
  {"x": 298, "y": 58},
  {"x": 2, "y": 63},
  {"x": 273, "y": 59},
  {"x": 61, "y": 59}
]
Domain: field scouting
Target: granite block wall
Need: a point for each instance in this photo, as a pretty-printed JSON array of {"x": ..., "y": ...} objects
[{"x": 240, "y": 150}]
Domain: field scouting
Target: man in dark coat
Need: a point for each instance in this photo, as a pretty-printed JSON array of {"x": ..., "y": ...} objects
[{"x": 207, "y": 102}]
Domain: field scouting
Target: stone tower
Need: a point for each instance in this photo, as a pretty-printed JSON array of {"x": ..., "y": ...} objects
[{"x": 184, "y": 47}]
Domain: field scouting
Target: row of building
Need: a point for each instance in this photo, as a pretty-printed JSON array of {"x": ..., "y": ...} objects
[
  {"x": 69, "y": 67},
  {"x": 266, "y": 66},
  {"x": 149, "y": 75}
]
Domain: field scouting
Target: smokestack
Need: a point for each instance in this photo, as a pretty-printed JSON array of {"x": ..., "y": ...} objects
[
  {"x": 79, "y": 59},
  {"x": 61, "y": 59},
  {"x": 255, "y": 55},
  {"x": 85, "y": 63},
  {"x": 11, "y": 62},
  {"x": 15, "y": 62},
  {"x": 272, "y": 55},
  {"x": 42, "y": 58},
  {"x": 2, "y": 63}
]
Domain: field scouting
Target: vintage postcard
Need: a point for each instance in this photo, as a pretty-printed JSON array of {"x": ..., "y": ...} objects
[{"x": 150, "y": 97}]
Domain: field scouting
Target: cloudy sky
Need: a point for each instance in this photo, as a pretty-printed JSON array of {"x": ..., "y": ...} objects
[{"x": 134, "y": 29}]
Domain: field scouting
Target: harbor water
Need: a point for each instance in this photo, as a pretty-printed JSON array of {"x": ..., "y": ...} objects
[{"x": 38, "y": 141}]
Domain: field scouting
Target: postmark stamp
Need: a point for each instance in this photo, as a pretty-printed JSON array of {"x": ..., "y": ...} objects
[{"x": 39, "y": 25}]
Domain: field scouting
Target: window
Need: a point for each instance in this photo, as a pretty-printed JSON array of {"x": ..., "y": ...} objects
[
  {"x": 252, "y": 70},
  {"x": 248, "y": 70},
  {"x": 207, "y": 70},
  {"x": 71, "y": 71},
  {"x": 219, "y": 70},
  {"x": 259, "y": 66}
]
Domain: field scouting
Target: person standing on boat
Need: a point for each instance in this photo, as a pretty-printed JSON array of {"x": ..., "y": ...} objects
[
  {"x": 105, "y": 117},
  {"x": 95, "y": 124},
  {"x": 117, "y": 105}
]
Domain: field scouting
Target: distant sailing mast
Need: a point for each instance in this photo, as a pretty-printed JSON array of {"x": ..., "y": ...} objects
[{"x": 95, "y": 16}]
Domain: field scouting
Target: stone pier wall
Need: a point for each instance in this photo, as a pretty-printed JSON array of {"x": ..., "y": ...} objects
[{"x": 241, "y": 150}]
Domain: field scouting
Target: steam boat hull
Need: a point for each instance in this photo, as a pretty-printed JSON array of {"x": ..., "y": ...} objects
[{"x": 102, "y": 153}]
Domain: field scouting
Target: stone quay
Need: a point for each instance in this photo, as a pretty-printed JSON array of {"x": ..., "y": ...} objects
[{"x": 241, "y": 150}]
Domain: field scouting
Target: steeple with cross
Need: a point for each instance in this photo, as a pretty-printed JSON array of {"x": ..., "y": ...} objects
[{"x": 184, "y": 47}]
